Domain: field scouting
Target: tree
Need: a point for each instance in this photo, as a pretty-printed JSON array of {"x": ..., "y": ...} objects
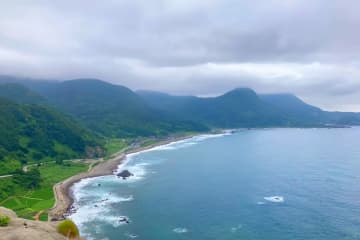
[{"x": 29, "y": 180}]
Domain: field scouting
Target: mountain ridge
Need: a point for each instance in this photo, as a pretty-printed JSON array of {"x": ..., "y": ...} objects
[{"x": 115, "y": 110}]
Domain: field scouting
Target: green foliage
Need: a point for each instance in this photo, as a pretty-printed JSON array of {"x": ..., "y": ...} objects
[
  {"x": 7, "y": 188},
  {"x": 114, "y": 111},
  {"x": 31, "y": 133},
  {"x": 237, "y": 108},
  {"x": 28, "y": 180},
  {"x": 20, "y": 94},
  {"x": 244, "y": 108},
  {"x": 115, "y": 145},
  {"x": 4, "y": 221},
  {"x": 44, "y": 217},
  {"x": 69, "y": 229}
]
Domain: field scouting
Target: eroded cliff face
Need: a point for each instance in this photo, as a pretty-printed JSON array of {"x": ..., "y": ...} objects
[{"x": 23, "y": 229}]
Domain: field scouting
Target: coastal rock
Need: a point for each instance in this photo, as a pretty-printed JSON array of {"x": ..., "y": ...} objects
[
  {"x": 124, "y": 219},
  {"x": 125, "y": 174}
]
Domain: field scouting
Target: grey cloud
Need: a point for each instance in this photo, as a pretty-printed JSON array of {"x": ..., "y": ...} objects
[
  {"x": 227, "y": 31},
  {"x": 167, "y": 45}
]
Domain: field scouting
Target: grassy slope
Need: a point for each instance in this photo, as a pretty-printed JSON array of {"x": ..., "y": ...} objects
[
  {"x": 26, "y": 203},
  {"x": 115, "y": 145},
  {"x": 31, "y": 133}
]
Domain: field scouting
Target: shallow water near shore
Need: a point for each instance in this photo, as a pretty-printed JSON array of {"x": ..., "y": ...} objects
[{"x": 254, "y": 184}]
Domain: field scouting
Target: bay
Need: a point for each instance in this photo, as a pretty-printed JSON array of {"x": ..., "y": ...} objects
[{"x": 253, "y": 184}]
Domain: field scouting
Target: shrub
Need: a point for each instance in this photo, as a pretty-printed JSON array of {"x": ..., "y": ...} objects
[
  {"x": 69, "y": 229},
  {"x": 4, "y": 221}
]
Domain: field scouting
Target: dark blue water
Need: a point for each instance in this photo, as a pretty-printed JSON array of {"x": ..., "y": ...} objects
[{"x": 215, "y": 188}]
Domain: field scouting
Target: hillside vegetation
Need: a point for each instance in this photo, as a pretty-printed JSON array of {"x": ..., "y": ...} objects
[
  {"x": 31, "y": 133},
  {"x": 242, "y": 107},
  {"x": 114, "y": 111},
  {"x": 44, "y": 123}
]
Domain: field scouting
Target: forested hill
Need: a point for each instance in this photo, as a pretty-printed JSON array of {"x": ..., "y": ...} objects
[
  {"x": 113, "y": 110},
  {"x": 238, "y": 108},
  {"x": 302, "y": 113},
  {"x": 295, "y": 109},
  {"x": 31, "y": 133},
  {"x": 20, "y": 94},
  {"x": 60, "y": 120},
  {"x": 116, "y": 111},
  {"x": 242, "y": 107}
]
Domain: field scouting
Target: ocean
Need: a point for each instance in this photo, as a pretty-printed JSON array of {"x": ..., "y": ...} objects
[{"x": 260, "y": 184}]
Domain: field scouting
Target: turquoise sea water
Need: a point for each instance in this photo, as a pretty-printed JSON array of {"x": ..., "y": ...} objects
[{"x": 225, "y": 187}]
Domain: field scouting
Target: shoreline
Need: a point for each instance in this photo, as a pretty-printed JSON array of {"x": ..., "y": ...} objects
[
  {"x": 64, "y": 198},
  {"x": 63, "y": 194}
]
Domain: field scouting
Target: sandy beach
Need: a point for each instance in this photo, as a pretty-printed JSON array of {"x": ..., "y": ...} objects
[{"x": 62, "y": 190}]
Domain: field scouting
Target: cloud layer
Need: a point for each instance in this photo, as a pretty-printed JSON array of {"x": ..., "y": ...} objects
[{"x": 310, "y": 48}]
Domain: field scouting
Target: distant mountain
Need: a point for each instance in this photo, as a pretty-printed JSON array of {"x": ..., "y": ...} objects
[
  {"x": 35, "y": 85},
  {"x": 173, "y": 105},
  {"x": 116, "y": 111},
  {"x": 20, "y": 94},
  {"x": 294, "y": 108},
  {"x": 113, "y": 110},
  {"x": 33, "y": 133},
  {"x": 240, "y": 107},
  {"x": 304, "y": 114}
]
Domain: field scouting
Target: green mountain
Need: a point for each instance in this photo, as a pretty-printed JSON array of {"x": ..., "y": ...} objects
[
  {"x": 116, "y": 111},
  {"x": 295, "y": 109},
  {"x": 20, "y": 94},
  {"x": 31, "y": 133},
  {"x": 304, "y": 114},
  {"x": 113, "y": 110},
  {"x": 240, "y": 107}
]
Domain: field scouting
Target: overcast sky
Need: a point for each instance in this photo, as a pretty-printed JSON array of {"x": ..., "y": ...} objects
[{"x": 204, "y": 47}]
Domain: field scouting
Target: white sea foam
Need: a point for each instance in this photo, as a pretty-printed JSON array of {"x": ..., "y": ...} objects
[
  {"x": 95, "y": 206},
  {"x": 81, "y": 193},
  {"x": 208, "y": 136},
  {"x": 177, "y": 144},
  {"x": 260, "y": 203},
  {"x": 139, "y": 169},
  {"x": 236, "y": 228},
  {"x": 130, "y": 235},
  {"x": 275, "y": 199},
  {"x": 96, "y": 212},
  {"x": 180, "y": 230}
]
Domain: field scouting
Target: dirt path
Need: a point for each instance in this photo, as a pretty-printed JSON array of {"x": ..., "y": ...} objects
[{"x": 37, "y": 215}]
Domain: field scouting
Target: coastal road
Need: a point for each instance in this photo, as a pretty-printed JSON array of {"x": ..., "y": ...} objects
[{"x": 6, "y": 176}]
